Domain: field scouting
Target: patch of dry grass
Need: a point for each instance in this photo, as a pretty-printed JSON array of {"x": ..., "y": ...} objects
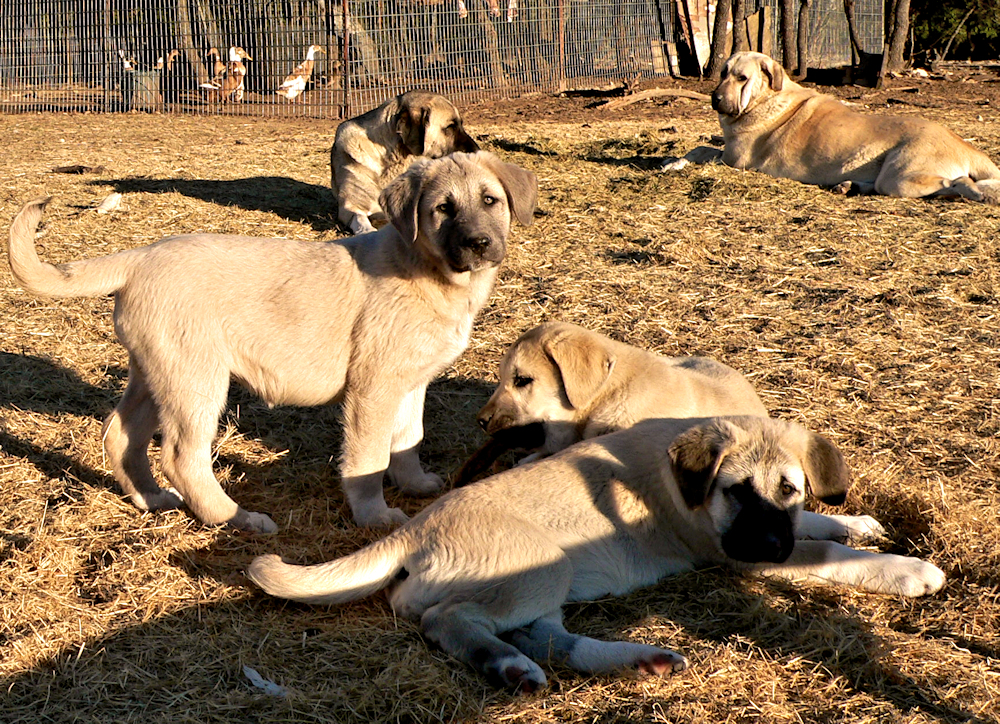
[{"x": 871, "y": 320}]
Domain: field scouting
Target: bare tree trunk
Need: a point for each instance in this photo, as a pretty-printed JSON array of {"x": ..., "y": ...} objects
[
  {"x": 719, "y": 51},
  {"x": 788, "y": 33},
  {"x": 852, "y": 29},
  {"x": 740, "y": 42},
  {"x": 185, "y": 41},
  {"x": 803, "y": 39},
  {"x": 897, "y": 37}
]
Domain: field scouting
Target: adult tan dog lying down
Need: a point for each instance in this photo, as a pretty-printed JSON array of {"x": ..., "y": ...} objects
[
  {"x": 604, "y": 517},
  {"x": 776, "y": 126},
  {"x": 368, "y": 321},
  {"x": 579, "y": 384}
]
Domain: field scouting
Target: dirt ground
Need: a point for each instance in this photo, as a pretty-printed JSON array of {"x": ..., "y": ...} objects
[{"x": 871, "y": 320}]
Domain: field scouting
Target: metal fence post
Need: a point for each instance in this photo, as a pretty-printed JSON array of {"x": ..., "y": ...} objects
[
  {"x": 562, "y": 47},
  {"x": 346, "y": 62}
]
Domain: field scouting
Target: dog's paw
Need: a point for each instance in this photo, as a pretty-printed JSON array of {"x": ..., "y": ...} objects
[
  {"x": 860, "y": 529},
  {"x": 672, "y": 163},
  {"x": 425, "y": 484},
  {"x": 530, "y": 458},
  {"x": 905, "y": 576},
  {"x": 163, "y": 499},
  {"x": 383, "y": 517},
  {"x": 659, "y": 661},
  {"x": 253, "y": 522},
  {"x": 519, "y": 673},
  {"x": 843, "y": 188}
]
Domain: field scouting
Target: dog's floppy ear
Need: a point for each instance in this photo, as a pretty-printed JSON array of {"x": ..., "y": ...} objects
[
  {"x": 583, "y": 365},
  {"x": 774, "y": 72},
  {"x": 401, "y": 200},
  {"x": 520, "y": 184},
  {"x": 696, "y": 456},
  {"x": 826, "y": 472},
  {"x": 411, "y": 127}
]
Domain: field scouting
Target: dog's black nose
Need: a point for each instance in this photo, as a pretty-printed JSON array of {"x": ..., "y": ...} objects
[{"x": 477, "y": 244}]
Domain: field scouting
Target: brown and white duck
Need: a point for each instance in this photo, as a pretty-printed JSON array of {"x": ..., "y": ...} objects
[{"x": 295, "y": 82}]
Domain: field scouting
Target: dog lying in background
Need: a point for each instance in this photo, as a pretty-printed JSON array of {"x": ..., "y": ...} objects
[
  {"x": 579, "y": 384},
  {"x": 773, "y": 125},
  {"x": 369, "y": 323},
  {"x": 602, "y": 518},
  {"x": 372, "y": 149}
]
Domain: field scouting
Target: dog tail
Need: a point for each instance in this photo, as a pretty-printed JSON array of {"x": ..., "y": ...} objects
[
  {"x": 354, "y": 576},
  {"x": 87, "y": 278}
]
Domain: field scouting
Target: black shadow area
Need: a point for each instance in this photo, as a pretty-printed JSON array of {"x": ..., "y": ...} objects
[{"x": 288, "y": 198}]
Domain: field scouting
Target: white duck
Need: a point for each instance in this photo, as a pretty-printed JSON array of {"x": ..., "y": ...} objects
[{"x": 295, "y": 82}]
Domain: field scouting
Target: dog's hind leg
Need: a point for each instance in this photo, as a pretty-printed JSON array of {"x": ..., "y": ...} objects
[
  {"x": 405, "y": 470},
  {"x": 547, "y": 639},
  {"x": 511, "y": 581},
  {"x": 189, "y": 419},
  {"x": 127, "y": 433},
  {"x": 467, "y": 632}
]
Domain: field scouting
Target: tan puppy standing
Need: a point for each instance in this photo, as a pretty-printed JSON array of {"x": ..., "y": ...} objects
[
  {"x": 773, "y": 125},
  {"x": 372, "y": 149},
  {"x": 579, "y": 384},
  {"x": 366, "y": 322},
  {"x": 604, "y": 517}
]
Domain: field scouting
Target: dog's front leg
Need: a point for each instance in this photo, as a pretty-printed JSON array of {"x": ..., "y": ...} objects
[
  {"x": 852, "y": 529},
  {"x": 405, "y": 470},
  {"x": 368, "y": 428},
  {"x": 829, "y": 562}
]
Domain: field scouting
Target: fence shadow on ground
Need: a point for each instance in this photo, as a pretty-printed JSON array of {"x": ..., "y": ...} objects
[{"x": 287, "y": 197}]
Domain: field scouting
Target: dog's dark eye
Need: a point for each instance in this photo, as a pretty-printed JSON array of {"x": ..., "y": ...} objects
[
  {"x": 725, "y": 74},
  {"x": 489, "y": 200},
  {"x": 446, "y": 208},
  {"x": 741, "y": 78},
  {"x": 522, "y": 381},
  {"x": 787, "y": 489}
]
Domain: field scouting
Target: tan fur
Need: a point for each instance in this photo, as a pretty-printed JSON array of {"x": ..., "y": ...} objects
[
  {"x": 367, "y": 322},
  {"x": 603, "y": 518},
  {"x": 776, "y": 126},
  {"x": 581, "y": 384},
  {"x": 372, "y": 149}
]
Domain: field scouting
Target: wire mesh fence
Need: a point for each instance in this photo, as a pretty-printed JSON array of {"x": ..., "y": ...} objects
[{"x": 313, "y": 57}]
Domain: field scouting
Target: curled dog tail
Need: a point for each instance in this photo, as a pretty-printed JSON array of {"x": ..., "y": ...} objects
[
  {"x": 354, "y": 576},
  {"x": 87, "y": 278}
]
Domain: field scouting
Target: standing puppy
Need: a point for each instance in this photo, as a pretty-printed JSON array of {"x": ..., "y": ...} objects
[
  {"x": 368, "y": 323},
  {"x": 371, "y": 150},
  {"x": 776, "y": 126}
]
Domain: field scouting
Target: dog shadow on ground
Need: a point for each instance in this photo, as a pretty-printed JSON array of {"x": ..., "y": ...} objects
[
  {"x": 310, "y": 436},
  {"x": 712, "y": 607},
  {"x": 287, "y": 197}
]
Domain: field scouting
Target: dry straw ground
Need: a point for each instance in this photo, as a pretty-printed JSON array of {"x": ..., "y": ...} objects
[{"x": 871, "y": 320}]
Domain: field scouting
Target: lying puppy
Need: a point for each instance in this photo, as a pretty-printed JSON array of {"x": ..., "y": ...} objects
[
  {"x": 369, "y": 323},
  {"x": 580, "y": 384},
  {"x": 605, "y": 517},
  {"x": 371, "y": 150},
  {"x": 773, "y": 125}
]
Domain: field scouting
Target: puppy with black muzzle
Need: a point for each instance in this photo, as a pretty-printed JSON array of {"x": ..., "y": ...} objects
[
  {"x": 366, "y": 322},
  {"x": 372, "y": 149},
  {"x": 602, "y": 518}
]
